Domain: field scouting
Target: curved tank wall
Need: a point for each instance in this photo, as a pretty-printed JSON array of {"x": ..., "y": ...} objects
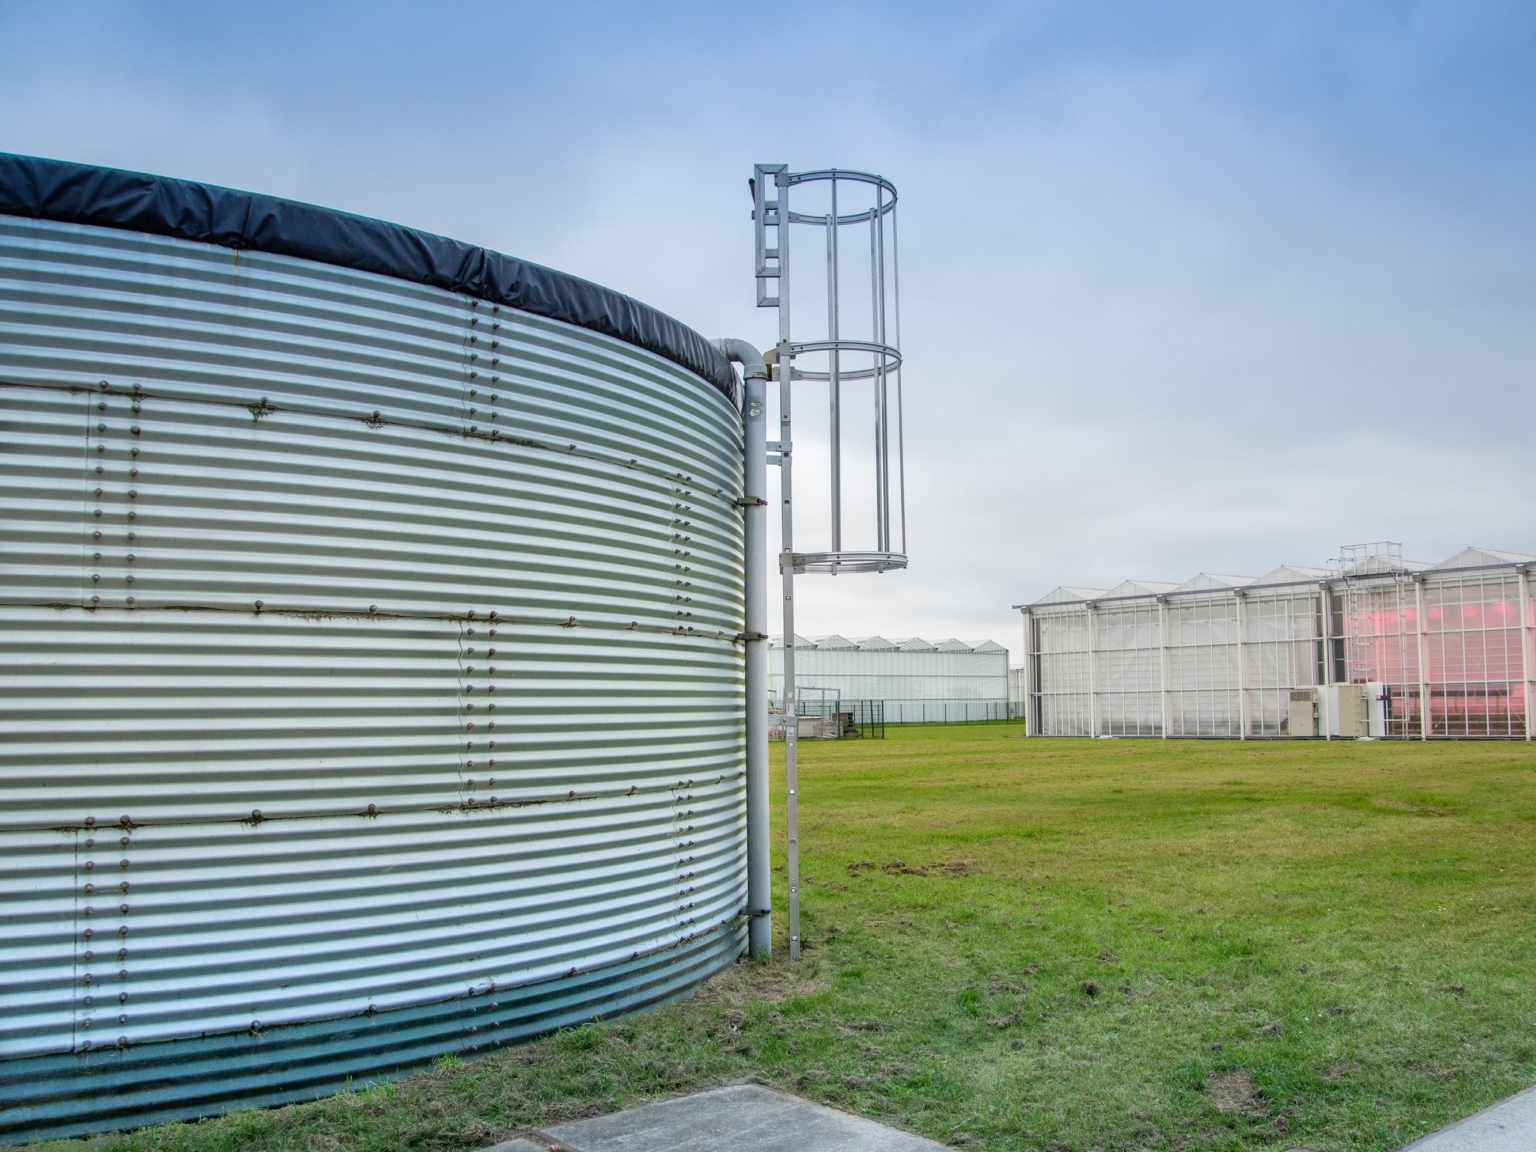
[{"x": 371, "y": 677}]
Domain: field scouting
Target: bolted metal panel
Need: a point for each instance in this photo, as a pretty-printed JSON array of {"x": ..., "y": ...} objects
[{"x": 372, "y": 684}]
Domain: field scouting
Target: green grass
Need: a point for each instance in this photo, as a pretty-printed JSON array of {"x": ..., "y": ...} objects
[{"x": 1053, "y": 944}]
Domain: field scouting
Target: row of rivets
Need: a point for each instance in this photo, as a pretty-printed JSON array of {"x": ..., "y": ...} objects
[
  {"x": 109, "y": 474},
  {"x": 94, "y": 889},
  {"x": 489, "y": 341},
  {"x": 470, "y": 650}
]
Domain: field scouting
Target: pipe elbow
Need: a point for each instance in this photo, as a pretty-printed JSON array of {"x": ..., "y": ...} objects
[{"x": 750, "y": 359}]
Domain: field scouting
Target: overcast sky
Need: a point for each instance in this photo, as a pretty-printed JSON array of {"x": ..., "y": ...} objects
[{"x": 1186, "y": 287}]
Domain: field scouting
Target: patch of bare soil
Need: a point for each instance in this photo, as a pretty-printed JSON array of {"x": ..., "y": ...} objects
[
  {"x": 1233, "y": 1093},
  {"x": 564, "y": 1111},
  {"x": 750, "y": 982}
]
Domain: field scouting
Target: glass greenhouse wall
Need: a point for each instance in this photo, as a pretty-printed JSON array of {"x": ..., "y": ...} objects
[
  {"x": 1435, "y": 650},
  {"x": 919, "y": 682}
]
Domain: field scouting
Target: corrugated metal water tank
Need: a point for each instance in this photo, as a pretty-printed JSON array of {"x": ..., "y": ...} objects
[{"x": 372, "y": 686}]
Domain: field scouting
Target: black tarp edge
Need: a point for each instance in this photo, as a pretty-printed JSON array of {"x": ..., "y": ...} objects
[{"x": 71, "y": 193}]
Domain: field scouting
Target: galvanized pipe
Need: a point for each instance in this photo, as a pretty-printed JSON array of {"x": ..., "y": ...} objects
[{"x": 754, "y": 509}]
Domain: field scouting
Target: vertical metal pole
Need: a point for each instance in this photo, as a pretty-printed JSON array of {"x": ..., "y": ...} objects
[
  {"x": 1093, "y": 680},
  {"x": 1525, "y": 643},
  {"x": 1242, "y": 668},
  {"x": 1421, "y": 627},
  {"x": 1025, "y": 675},
  {"x": 1162, "y": 661},
  {"x": 787, "y": 570},
  {"x": 834, "y": 383},
  {"x": 1324, "y": 712},
  {"x": 882, "y": 415},
  {"x": 791, "y": 709},
  {"x": 755, "y": 532},
  {"x": 901, "y": 413}
]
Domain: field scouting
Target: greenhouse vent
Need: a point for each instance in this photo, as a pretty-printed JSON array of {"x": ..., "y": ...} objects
[{"x": 1371, "y": 646}]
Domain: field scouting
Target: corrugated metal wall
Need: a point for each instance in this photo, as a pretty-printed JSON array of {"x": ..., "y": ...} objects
[{"x": 371, "y": 687}]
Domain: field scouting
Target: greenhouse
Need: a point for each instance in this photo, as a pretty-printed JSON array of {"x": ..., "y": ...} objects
[
  {"x": 1370, "y": 646},
  {"x": 915, "y": 681}
]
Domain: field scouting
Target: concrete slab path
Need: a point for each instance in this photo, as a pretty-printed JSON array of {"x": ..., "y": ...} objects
[
  {"x": 756, "y": 1118},
  {"x": 741, "y": 1118},
  {"x": 1508, "y": 1126}
]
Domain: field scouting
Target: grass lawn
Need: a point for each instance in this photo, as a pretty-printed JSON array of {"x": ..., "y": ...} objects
[{"x": 1072, "y": 944}]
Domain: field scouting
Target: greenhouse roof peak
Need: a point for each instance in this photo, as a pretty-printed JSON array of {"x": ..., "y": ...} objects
[
  {"x": 1214, "y": 582},
  {"x": 1293, "y": 574},
  {"x": 800, "y": 641},
  {"x": 1068, "y": 595},
  {"x": 1473, "y": 557},
  {"x": 1140, "y": 588}
]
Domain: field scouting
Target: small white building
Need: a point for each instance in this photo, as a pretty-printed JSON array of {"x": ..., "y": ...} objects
[{"x": 916, "y": 681}]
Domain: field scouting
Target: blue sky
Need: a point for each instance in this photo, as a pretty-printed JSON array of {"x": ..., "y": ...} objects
[{"x": 1200, "y": 286}]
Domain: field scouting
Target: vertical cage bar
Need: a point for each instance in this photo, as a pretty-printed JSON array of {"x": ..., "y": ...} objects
[
  {"x": 834, "y": 382},
  {"x": 1524, "y": 575},
  {"x": 1422, "y": 631},
  {"x": 791, "y": 698}
]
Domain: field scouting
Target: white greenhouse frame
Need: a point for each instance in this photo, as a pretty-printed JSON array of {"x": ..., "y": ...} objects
[
  {"x": 1225, "y": 656},
  {"x": 919, "y": 682}
]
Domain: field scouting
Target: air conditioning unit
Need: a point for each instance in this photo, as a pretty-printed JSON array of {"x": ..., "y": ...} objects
[
  {"x": 1302, "y": 718},
  {"x": 1342, "y": 711}
]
